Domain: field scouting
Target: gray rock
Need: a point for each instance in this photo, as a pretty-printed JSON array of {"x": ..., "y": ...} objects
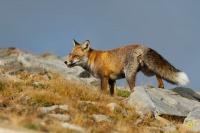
[
  {"x": 72, "y": 127},
  {"x": 57, "y": 65},
  {"x": 53, "y": 64},
  {"x": 17, "y": 61},
  {"x": 62, "y": 117},
  {"x": 160, "y": 101},
  {"x": 93, "y": 81},
  {"x": 64, "y": 107},
  {"x": 90, "y": 102},
  {"x": 166, "y": 129},
  {"x": 16, "y": 71},
  {"x": 192, "y": 121},
  {"x": 100, "y": 118},
  {"x": 9, "y": 60},
  {"x": 48, "y": 109},
  {"x": 23, "y": 99},
  {"x": 169, "y": 126},
  {"x": 84, "y": 74},
  {"x": 13, "y": 78},
  {"x": 37, "y": 83},
  {"x": 1, "y": 76},
  {"x": 6, "y": 130},
  {"x": 3, "y": 52},
  {"x": 152, "y": 129},
  {"x": 53, "y": 108},
  {"x": 169, "y": 129},
  {"x": 113, "y": 107},
  {"x": 124, "y": 112},
  {"x": 187, "y": 93}
]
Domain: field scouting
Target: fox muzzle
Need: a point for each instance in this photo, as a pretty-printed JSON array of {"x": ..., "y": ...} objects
[{"x": 65, "y": 62}]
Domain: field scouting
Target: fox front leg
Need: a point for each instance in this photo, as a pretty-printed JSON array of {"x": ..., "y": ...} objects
[
  {"x": 113, "y": 88},
  {"x": 104, "y": 83}
]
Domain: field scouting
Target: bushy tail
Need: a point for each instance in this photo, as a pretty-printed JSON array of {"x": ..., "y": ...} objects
[{"x": 161, "y": 67}]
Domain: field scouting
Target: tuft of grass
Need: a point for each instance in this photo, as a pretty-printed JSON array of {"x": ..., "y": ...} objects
[
  {"x": 32, "y": 126},
  {"x": 2, "y": 86},
  {"x": 123, "y": 93}
]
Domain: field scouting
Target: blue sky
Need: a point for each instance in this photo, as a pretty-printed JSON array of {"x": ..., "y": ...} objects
[{"x": 171, "y": 27}]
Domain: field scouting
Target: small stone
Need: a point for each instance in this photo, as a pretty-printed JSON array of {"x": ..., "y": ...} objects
[
  {"x": 138, "y": 121},
  {"x": 37, "y": 83},
  {"x": 171, "y": 128},
  {"x": 53, "y": 108},
  {"x": 113, "y": 107},
  {"x": 23, "y": 98},
  {"x": 61, "y": 117},
  {"x": 63, "y": 107},
  {"x": 1, "y": 77},
  {"x": 45, "y": 77},
  {"x": 100, "y": 118},
  {"x": 162, "y": 120},
  {"x": 47, "y": 109},
  {"x": 72, "y": 127},
  {"x": 124, "y": 113},
  {"x": 13, "y": 78},
  {"x": 89, "y": 102}
]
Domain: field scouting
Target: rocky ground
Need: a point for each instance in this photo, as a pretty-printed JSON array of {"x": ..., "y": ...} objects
[{"x": 55, "y": 96}]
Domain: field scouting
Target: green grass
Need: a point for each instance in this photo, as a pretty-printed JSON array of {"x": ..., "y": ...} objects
[
  {"x": 123, "y": 93},
  {"x": 32, "y": 126}
]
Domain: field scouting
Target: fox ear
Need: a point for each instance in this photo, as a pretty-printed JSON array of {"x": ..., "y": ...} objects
[
  {"x": 86, "y": 45},
  {"x": 75, "y": 43}
]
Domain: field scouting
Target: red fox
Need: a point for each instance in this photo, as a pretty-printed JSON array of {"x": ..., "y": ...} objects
[{"x": 124, "y": 62}]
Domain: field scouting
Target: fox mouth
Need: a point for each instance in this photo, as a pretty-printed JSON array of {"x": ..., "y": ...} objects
[{"x": 71, "y": 65}]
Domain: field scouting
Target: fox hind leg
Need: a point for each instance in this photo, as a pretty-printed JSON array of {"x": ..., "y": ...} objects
[
  {"x": 130, "y": 78},
  {"x": 160, "y": 82}
]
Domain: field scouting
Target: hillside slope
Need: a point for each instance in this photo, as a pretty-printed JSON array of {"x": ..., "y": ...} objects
[{"x": 42, "y": 98}]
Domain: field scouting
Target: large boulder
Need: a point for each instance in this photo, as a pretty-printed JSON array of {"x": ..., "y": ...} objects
[
  {"x": 16, "y": 61},
  {"x": 178, "y": 102},
  {"x": 56, "y": 64},
  {"x": 163, "y": 101},
  {"x": 48, "y": 63}
]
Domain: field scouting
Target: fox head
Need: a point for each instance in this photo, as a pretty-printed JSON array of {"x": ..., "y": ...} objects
[{"x": 79, "y": 54}]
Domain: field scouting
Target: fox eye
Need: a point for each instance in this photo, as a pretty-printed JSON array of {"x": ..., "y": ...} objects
[{"x": 74, "y": 56}]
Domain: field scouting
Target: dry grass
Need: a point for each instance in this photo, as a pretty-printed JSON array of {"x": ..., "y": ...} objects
[{"x": 19, "y": 102}]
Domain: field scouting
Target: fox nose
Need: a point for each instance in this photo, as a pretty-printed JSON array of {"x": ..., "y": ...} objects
[{"x": 65, "y": 62}]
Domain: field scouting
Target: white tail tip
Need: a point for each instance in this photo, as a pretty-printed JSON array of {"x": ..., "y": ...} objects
[{"x": 182, "y": 78}]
